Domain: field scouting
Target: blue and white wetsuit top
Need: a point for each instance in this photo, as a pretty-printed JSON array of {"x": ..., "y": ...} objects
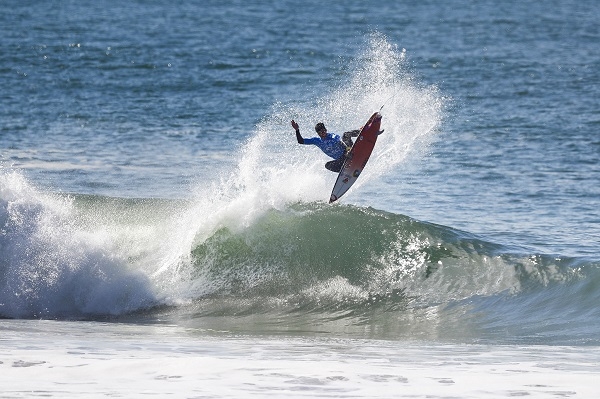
[{"x": 331, "y": 145}]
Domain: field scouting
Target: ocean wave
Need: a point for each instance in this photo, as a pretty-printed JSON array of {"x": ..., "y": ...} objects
[
  {"x": 287, "y": 251},
  {"x": 305, "y": 265},
  {"x": 348, "y": 269}
]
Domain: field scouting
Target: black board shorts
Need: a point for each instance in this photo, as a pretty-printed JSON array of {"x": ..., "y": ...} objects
[{"x": 336, "y": 164}]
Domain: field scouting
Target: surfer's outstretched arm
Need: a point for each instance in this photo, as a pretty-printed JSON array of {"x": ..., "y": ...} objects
[{"x": 298, "y": 135}]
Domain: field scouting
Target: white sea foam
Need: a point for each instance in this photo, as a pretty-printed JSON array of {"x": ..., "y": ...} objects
[
  {"x": 98, "y": 360},
  {"x": 51, "y": 267}
]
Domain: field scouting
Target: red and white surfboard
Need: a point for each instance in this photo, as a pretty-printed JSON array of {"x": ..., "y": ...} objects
[{"x": 357, "y": 158}]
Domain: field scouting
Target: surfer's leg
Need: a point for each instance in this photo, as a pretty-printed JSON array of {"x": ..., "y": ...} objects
[
  {"x": 335, "y": 165},
  {"x": 330, "y": 166},
  {"x": 346, "y": 139}
]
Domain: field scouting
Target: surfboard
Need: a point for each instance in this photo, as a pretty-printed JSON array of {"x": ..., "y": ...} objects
[{"x": 357, "y": 157}]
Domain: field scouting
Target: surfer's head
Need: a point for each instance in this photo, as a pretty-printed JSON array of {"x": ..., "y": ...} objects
[{"x": 321, "y": 129}]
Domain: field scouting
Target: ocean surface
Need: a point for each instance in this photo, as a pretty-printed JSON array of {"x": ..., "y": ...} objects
[{"x": 163, "y": 234}]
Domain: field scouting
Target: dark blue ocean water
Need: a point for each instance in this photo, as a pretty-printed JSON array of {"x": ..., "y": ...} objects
[{"x": 149, "y": 172}]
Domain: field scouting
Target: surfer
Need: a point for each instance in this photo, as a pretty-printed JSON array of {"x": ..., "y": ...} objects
[{"x": 331, "y": 144}]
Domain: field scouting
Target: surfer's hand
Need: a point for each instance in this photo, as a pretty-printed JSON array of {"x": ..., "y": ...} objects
[{"x": 295, "y": 125}]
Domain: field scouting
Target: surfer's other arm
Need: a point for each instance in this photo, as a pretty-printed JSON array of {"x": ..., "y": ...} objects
[{"x": 298, "y": 135}]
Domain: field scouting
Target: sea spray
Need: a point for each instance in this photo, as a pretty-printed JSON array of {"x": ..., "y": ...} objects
[
  {"x": 273, "y": 171},
  {"x": 378, "y": 76}
]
